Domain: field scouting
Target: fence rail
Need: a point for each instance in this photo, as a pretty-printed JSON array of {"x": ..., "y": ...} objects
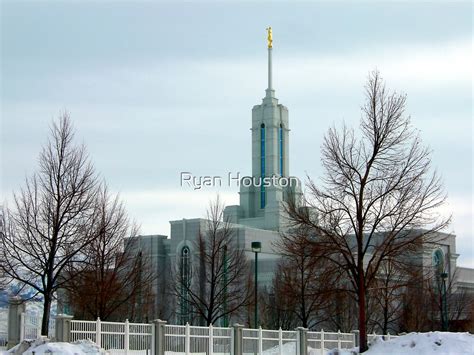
[
  {"x": 128, "y": 337},
  {"x": 197, "y": 340},
  {"x": 274, "y": 341},
  {"x": 324, "y": 341},
  {"x": 138, "y": 338},
  {"x": 30, "y": 326}
]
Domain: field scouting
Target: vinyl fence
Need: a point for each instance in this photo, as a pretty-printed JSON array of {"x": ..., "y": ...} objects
[
  {"x": 137, "y": 338},
  {"x": 256, "y": 341},
  {"x": 117, "y": 337},
  {"x": 188, "y": 339},
  {"x": 30, "y": 326}
]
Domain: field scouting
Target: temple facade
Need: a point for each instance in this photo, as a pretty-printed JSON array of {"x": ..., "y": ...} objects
[{"x": 260, "y": 215}]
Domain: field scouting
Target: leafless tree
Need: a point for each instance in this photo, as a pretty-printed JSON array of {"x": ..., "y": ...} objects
[
  {"x": 4, "y": 225},
  {"x": 117, "y": 277},
  {"x": 377, "y": 192},
  {"x": 305, "y": 277},
  {"x": 460, "y": 306},
  {"x": 341, "y": 313},
  {"x": 53, "y": 218},
  {"x": 276, "y": 308},
  {"x": 422, "y": 302},
  {"x": 387, "y": 291},
  {"x": 217, "y": 284}
]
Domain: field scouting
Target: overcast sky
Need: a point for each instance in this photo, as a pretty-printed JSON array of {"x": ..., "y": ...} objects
[{"x": 157, "y": 88}]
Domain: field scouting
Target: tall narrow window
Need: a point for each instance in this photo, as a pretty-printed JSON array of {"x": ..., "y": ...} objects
[
  {"x": 262, "y": 165},
  {"x": 280, "y": 136},
  {"x": 185, "y": 284}
]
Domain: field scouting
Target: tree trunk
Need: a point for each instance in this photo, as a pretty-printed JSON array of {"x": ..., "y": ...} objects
[
  {"x": 362, "y": 312},
  {"x": 385, "y": 317},
  {"x": 46, "y": 313}
]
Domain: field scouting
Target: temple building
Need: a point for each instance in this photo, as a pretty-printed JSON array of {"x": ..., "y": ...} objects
[{"x": 260, "y": 215}]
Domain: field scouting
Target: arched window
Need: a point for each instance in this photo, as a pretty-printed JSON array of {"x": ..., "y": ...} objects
[
  {"x": 438, "y": 261},
  {"x": 280, "y": 139},
  {"x": 262, "y": 165},
  {"x": 438, "y": 266}
]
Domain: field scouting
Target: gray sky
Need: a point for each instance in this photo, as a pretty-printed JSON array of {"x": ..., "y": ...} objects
[{"x": 158, "y": 88}]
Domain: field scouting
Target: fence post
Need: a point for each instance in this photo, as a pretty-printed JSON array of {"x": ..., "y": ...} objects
[
  {"x": 22, "y": 326},
  {"x": 211, "y": 339},
  {"x": 63, "y": 328},
  {"x": 260, "y": 341},
  {"x": 98, "y": 336},
  {"x": 356, "y": 337},
  {"x": 302, "y": 341},
  {"x": 38, "y": 330},
  {"x": 322, "y": 342},
  {"x": 15, "y": 328},
  {"x": 388, "y": 334},
  {"x": 280, "y": 341},
  {"x": 339, "y": 339},
  {"x": 127, "y": 337},
  {"x": 158, "y": 337},
  {"x": 238, "y": 339},
  {"x": 187, "y": 339}
]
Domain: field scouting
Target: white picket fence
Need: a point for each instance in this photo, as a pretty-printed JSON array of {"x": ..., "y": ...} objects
[
  {"x": 330, "y": 340},
  {"x": 116, "y": 337},
  {"x": 3, "y": 340},
  {"x": 259, "y": 340},
  {"x": 30, "y": 326},
  {"x": 135, "y": 338},
  {"x": 198, "y": 340}
]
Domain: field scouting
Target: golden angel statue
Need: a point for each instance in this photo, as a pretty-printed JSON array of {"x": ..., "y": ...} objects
[{"x": 270, "y": 37}]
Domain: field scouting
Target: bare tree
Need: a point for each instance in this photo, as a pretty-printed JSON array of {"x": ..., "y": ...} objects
[
  {"x": 277, "y": 308},
  {"x": 377, "y": 192},
  {"x": 305, "y": 277},
  {"x": 423, "y": 302},
  {"x": 117, "y": 277},
  {"x": 341, "y": 313},
  {"x": 53, "y": 219},
  {"x": 387, "y": 291},
  {"x": 460, "y": 304},
  {"x": 216, "y": 286}
]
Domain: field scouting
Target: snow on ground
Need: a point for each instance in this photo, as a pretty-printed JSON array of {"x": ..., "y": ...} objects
[
  {"x": 432, "y": 343},
  {"x": 43, "y": 346},
  {"x": 288, "y": 348},
  {"x": 425, "y": 344}
]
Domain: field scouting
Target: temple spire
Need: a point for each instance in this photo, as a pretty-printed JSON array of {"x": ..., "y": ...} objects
[{"x": 270, "y": 92}]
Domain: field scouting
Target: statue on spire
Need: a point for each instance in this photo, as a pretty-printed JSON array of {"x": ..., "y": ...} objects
[{"x": 270, "y": 37}]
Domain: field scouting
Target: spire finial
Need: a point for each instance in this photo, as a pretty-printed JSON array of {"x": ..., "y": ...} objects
[
  {"x": 270, "y": 91},
  {"x": 270, "y": 37}
]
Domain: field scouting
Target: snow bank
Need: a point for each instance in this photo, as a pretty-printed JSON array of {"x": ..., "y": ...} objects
[
  {"x": 425, "y": 344},
  {"x": 287, "y": 348},
  {"x": 431, "y": 343},
  {"x": 43, "y": 346}
]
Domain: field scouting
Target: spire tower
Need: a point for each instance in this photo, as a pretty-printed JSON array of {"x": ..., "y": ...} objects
[
  {"x": 262, "y": 204},
  {"x": 270, "y": 92}
]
